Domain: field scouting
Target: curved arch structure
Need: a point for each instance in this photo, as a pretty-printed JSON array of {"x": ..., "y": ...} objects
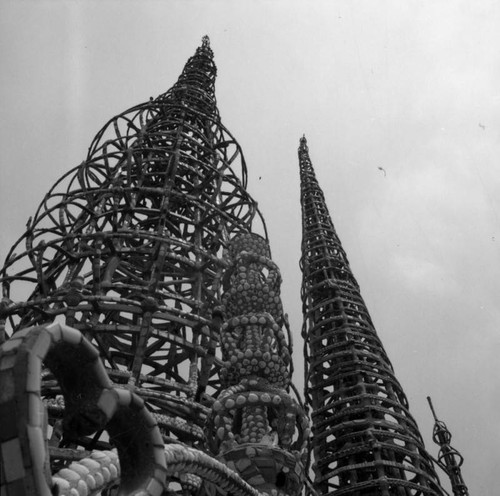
[
  {"x": 365, "y": 440},
  {"x": 91, "y": 404}
]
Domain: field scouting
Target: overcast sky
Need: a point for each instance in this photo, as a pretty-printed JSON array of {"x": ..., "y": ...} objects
[{"x": 412, "y": 87}]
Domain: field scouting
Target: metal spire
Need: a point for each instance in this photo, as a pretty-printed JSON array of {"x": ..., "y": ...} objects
[
  {"x": 449, "y": 459},
  {"x": 138, "y": 228},
  {"x": 128, "y": 250},
  {"x": 364, "y": 439},
  {"x": 137, "y": 266}
]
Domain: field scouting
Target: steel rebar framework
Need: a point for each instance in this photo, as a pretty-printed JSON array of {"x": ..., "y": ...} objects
[
  {"x": 449, "y": 459},
  {"x": 364, "y": 439},
  {"x": 113, "y": 294}
]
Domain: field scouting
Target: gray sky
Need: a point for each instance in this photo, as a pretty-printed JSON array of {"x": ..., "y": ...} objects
[{"x": 412, "y": 87}]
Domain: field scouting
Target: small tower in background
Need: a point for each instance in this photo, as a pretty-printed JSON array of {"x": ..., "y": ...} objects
[{"x": 449, "y": 459}]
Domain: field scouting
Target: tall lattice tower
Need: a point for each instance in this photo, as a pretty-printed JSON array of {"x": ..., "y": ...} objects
[
  {"x": 365, "y": 441},
  {"x": 138, "y": 267}
]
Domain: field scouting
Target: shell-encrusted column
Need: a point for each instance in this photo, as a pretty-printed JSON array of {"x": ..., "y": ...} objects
[{"x": 255, "y": 427}]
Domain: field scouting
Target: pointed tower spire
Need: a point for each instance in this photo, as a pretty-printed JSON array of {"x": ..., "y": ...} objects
[
  {"x": 127, "y": 248},
  {"x": 137, "y": 265},
  {"x": 141, "y": 223},
  {"x": 364, "y": 439}
]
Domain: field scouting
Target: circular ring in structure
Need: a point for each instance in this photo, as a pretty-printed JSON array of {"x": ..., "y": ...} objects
[{"x": 91, "y": 404}]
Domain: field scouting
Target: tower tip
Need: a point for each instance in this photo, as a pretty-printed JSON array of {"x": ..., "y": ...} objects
[
  {"x": 432, "y": 408},
  {"x": 205, "y": 42},
  {"x": 303, "y": 143}
]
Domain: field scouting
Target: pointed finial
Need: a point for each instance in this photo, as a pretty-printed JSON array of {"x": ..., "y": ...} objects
[
  {"x": 432, "y": 408},
  {"x": 303, "y": 143},
  {"x": 205, "y": 42}
]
